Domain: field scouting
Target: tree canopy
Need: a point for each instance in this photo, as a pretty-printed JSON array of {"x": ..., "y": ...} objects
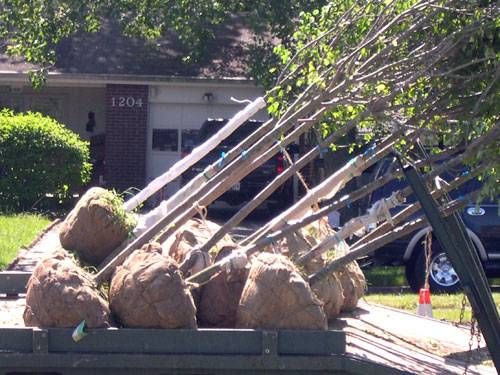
[
  {"x": 419, "y": 63},
  {"x": 423, "y": 64},
  {"x": 32, "y": 29}
]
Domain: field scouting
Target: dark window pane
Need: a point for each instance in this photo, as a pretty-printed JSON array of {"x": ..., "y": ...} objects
[
  {"x": 210, "y": 127},
  {"x": 188, "y": 139},
  {"x": 165, "y": 139}
]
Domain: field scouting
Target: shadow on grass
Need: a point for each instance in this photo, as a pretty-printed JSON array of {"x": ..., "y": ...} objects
[{"x": 385, "y": 276}]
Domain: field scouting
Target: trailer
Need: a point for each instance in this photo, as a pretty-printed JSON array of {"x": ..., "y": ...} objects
[{"x": 372, "y": 339}]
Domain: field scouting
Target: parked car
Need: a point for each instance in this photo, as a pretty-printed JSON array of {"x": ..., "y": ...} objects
[
  {"x": 253, "y": 183},
  {"x": 483, "y": 226}
]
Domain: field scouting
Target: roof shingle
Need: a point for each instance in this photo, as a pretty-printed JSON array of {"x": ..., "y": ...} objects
[{"x": 109, "y": 52}]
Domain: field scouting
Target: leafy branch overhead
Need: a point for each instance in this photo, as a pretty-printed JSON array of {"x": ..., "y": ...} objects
[
  {"x": 431, "y": 64},
  {"x": 33, "y": 29}
]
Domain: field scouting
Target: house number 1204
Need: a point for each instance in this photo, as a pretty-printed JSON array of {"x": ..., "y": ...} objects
[{"x": 126, "y": 101}]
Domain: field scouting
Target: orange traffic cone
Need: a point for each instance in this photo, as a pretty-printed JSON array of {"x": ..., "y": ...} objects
[{"x": 424, "y": 307}]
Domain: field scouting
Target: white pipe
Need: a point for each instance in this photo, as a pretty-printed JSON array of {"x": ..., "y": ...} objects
[
  {"x": 325, "y": 190},
  {"x": 196, "y": 155},
  {"x": 358, "y": 225},
  {"x": 379, "y": 211}
]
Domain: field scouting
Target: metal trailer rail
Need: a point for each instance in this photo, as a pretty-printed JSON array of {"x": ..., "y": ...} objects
[
  {"x": 156, "y": 351},
  {"x": 369, "y": 340},
  {"x": 13, "y": 283}
]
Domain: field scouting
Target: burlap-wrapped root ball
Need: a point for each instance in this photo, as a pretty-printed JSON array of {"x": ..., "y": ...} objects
[
  {"x": 96, "y": 226},
  {"x": 189, "y": 235},
  {"x": 147, "y": 291},
  {"x": 276, "y": 296},
  {"x": 219, "y": 298},
  {"x": 353, "y": 283},
  {"x": 193, "y": 235},
  {"x": 60, "y": 294},
  {"x": 328, "y": 290}
]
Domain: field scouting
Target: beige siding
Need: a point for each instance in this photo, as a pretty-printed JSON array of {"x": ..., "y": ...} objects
[{"x": 69, "y": 105}]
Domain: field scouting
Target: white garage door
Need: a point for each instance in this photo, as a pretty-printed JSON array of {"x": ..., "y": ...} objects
[{"x": 172, "y": 130}]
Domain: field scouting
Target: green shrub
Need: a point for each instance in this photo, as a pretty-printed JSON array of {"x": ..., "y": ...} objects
[{"x": 38, "y": 155}]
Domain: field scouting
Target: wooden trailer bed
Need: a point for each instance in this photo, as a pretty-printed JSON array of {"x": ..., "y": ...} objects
[
  {"x": 370, "y": 339},
  {"x": 384, "y": 340}
]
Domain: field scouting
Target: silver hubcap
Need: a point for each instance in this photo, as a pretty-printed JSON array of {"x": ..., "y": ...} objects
[{"x": 442, "y": 271}]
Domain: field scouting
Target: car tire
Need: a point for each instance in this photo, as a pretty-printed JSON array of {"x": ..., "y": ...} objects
[{"x": 442, "y": 277}]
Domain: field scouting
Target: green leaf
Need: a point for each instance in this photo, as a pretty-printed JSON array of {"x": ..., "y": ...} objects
[{"x": 381, "y": 88}]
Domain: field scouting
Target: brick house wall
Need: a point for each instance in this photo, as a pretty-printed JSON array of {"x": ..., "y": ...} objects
[{"x": 126, "y": 136}]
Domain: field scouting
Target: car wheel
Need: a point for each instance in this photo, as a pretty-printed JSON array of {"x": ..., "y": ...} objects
[{"x": 442, "y": 276}]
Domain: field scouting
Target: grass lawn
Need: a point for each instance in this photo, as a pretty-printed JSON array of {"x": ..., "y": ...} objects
[
  {"x": 444, "y": 306},
  {"x": 385, "y": 276},
  {"x": 16, "y": 231}
]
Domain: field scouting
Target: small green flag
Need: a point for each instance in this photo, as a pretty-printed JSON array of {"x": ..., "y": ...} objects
[{"x": 79, "y": 332}]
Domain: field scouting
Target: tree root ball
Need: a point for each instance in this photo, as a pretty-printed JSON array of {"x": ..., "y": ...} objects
[
  {"x": 96, "y": 226},
  {"x": 147, "y": 291},
  {"x": 219, "y": 298},
  {"x": 353, "y": 283},
  {"x": 276, "y": 296},
  {"x": 330, "y": 292},
  {"x": 191, "y": 235},
  {"x": 60, "y": 294}
]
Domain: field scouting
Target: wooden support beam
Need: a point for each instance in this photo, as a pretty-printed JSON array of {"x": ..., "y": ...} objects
[{"x": 452, "y": 236}]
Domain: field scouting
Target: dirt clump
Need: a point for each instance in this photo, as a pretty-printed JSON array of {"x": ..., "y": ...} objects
[
  {"x": 192, "y": 235},
  {"x": 96, "y": 226},
  {"x": 276, "y": 296},
  {"x": 61, "y": 294},
  {"x": 147, "y": 291},
  {"x": 329, "y": 290},
  {"x": 353, "y": 283},
  {"x": 219, "y": 298},
  {"x": 341, "y": 290}
]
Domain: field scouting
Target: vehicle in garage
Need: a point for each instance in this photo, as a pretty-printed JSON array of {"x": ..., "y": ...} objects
[{"x": 252, "y": 184}]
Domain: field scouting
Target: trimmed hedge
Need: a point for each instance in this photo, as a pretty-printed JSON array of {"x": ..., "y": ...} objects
[{"x": 38, "y": 155}]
